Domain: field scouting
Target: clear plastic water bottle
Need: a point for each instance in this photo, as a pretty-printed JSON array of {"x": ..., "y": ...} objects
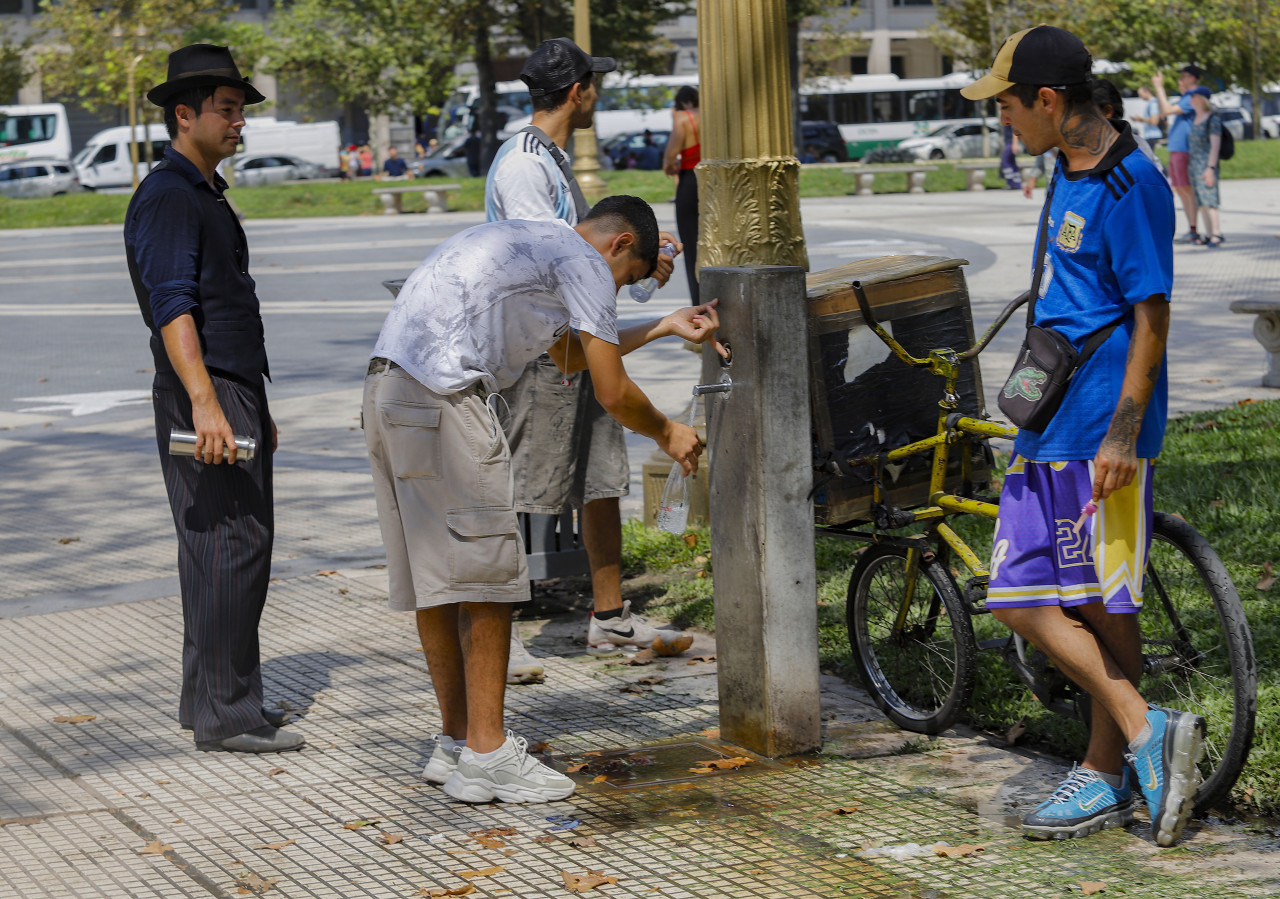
[
  {"x": 673, "y": 506},
  {"x": 642, "y": 290}
]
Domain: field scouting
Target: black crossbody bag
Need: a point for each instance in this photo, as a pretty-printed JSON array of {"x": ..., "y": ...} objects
[{"x": 1047, "y": 361}]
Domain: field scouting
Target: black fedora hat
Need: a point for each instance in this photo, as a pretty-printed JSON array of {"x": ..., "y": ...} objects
[{"x": 200, "y": 65}]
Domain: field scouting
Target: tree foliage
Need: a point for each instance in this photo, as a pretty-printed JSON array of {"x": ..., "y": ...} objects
[
  {"x": 89, "y": 45},
  {"x": 623, "y": 30},
  {"x": 13, "y": 68},
  {"x": 381, "y": 55},
  {"x": 971, "y": 31}
]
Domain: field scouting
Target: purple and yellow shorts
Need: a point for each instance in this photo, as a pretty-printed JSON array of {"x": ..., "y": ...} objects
[{"x": 1037, "y": 558}]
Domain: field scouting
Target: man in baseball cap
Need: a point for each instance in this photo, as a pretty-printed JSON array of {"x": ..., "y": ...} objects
[
  {"x": 560, "y": 63},
  {"x": 1102, "y": 277}
]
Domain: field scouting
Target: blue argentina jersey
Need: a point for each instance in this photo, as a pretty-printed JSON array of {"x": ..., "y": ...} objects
[
  {"x": 525, "y": 183},
  {"x": 1109, "y": 247}
]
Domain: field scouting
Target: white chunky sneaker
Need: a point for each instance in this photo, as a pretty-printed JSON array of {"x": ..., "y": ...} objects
[
  {"x": 522, "y": 668},
  {"x": 623, "y": 633},
  {"x": 512, "y": 775},
  {"x": 444, "y": 758}
]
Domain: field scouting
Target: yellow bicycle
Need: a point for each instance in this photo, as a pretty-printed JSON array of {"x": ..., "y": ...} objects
[{"x": 910, "y": 621}]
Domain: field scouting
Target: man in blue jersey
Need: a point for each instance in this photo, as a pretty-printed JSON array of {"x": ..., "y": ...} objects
[
  {"x": 1067, "y": 581},
  {"x": 566, "y": 450}
]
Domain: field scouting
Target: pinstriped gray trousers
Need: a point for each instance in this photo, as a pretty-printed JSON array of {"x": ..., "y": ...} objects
[{"x": 225, "y": 523}]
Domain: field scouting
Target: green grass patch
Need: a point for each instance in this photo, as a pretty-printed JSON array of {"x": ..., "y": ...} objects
[
  {"x": 1253, "y": 159},
  {"x": 1220, "y": 470}
]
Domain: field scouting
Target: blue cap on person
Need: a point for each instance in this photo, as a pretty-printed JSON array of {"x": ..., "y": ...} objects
[
  {"x": 1042, "y": 55},
  {"x": 201, "y": 65}
]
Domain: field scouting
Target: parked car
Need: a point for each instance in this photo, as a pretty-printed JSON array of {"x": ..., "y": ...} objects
[
  {"x": 38, "y": 178},
  {"x": 825, "y": 137},
  {"x": 254, "y": 170},
  {"x": 617, "y": 149},
  {"x": 447, "y": 160},
  {"x": 953, "y": 141},
  {"x": 1236, "y": 120},
  {"x": 1270, "y": 126}
]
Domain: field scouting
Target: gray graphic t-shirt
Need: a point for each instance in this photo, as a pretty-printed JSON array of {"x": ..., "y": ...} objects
[{"x": 493, "y": 298}]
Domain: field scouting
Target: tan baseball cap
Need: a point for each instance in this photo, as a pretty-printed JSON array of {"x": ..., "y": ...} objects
[{"x": 1042, "y": 55}]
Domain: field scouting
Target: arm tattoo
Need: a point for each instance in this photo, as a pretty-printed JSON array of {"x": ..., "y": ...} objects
[
  {"x": 1154, "y": 372},
  {"x": 1124, "y": 428}
]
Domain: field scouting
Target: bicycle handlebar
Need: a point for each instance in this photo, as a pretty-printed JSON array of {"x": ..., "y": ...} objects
[{"x": 865, "y": 308}]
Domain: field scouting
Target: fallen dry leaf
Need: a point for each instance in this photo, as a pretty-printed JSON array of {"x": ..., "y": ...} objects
[
  {"x": 155, "y": 847},
  {"x": 1016, "y": 731},
  {"x": 325, "y": 573},
  {"x": 583, "y": 883},
  {"x": 65, "y": 540},
  {"x": 74, "y": 719},
  {"x": 253, "y": 884},
  {"x": 276, "y": 846},
  {"x": 962, "y": 851},
  {"x": 1246, "y": 402},
  {"x": 690, "y": 540},
  {"x": 493, "y": 832},
  {"x": 674, "y": 647},
  {"x": 702, "y": 770},
  {"x": 390, "y": 838},
  {"x": 5, "y": 822},
  {"x": 1089, "y": 887},
  {"x": 738, "y": 761},
  {"x": 699, "y": 560},
  {"x": 545, "y": 838},
  {"x": 162, "y": 781},
  {"x": 575, "y": 767},
  {"x": 643, "y": 657},
  {"x": 846, "y": 810},
  {"x": 651, "y": 679},
  {"x": 1269, "y": 579},
  {"x": 701, "y": 573},
  {"x": 274, "y": 771},
  {"x": 441, "y": 891},
  {"x": 583, "y": 842},
  {"x": 633, "y": 688},
  {"x": 539, "y": 748},
  {"x": 483, "y": 872},
  {"x": 696, "y": 659},
  {"x": 490, "y": 842},
  {"x": 599, "y": 779},
  {"x": 356, "y": 825}
]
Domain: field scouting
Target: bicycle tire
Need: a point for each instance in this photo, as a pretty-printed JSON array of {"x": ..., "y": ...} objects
[
  {"x": 1198, "y": 653},
  {"x": 922, "y": 677}
]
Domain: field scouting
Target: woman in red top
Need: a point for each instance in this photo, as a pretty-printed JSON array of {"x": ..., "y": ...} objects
[{"x": 683, "y": 153}]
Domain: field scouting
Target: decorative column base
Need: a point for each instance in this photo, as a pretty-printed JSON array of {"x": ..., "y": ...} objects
[{"x": 750, "y": 212}]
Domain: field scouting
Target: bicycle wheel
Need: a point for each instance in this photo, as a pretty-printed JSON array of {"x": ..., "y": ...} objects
[
  {"x": 1198, "y": 654},
  {"x": 920, "y": 674}
]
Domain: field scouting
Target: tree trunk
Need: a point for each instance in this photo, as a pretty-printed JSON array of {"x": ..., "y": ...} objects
[{"x": 488, "y": 112}]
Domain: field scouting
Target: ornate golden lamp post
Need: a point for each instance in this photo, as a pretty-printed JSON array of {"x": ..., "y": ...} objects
[{"x": 585, "y": 163}]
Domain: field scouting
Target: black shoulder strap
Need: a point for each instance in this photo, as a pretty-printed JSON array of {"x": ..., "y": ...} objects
[{"x": 579, "y": 201}]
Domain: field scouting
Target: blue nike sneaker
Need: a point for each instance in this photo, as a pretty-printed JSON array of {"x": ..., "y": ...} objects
[
  {"x": 1083, "y": 804},
  {"x": 1164, "y": 768}
]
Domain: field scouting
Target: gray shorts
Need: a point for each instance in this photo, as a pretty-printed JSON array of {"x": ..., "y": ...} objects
[
  {"x": 442, "y": 478},
  {"x": 566, "y": 450}
]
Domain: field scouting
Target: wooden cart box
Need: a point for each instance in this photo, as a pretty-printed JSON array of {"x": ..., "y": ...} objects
[{"x": 865, "y": 399}]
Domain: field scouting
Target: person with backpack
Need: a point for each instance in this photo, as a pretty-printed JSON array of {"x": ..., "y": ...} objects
[{"x": 1206, "y": 142}]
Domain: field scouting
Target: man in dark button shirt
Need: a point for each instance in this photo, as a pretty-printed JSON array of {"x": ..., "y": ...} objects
[{"x": 189, "y": 262}]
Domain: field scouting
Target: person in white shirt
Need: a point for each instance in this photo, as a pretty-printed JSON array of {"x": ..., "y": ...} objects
[
  {"x": 566, "y": 450},
  {"x": 483, "y": 304}
]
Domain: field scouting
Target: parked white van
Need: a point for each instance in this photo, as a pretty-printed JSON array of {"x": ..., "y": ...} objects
[{"x": 104, "y": 162}]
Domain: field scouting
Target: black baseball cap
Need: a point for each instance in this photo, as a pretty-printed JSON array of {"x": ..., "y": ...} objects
[
  {"x": 1043, "y": 55},
  {"x": 558, "y": 63},
  {"x": 1193, "y": 70}
]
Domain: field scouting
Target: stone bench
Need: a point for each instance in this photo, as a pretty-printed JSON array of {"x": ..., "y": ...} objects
[
  {"x": 975, "y": 173},
  {"x": 435, "y": 195},
  {"x": 866, "y": 175},
  {"x": 1266, "y": 327}
]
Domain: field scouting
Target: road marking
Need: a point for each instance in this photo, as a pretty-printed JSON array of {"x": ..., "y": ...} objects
[
  {"x": 254, "y": 252},
  {"x": 85, "y": 403},
  {"x": 129, "y": 307}
]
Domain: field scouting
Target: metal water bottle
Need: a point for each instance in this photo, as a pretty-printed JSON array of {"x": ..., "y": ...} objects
[{"x": 183, "y": 443}]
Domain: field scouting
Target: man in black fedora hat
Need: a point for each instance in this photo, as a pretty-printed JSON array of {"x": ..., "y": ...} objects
[{"x": 189, "y": 262}]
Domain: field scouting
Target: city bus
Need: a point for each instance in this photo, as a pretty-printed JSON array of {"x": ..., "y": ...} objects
[
  {"x": 882, "y": 110},
  {"x": 34, "y": 131},
  {"x": 626, "y": 103},
  {"x": 870, "y": 110}
]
